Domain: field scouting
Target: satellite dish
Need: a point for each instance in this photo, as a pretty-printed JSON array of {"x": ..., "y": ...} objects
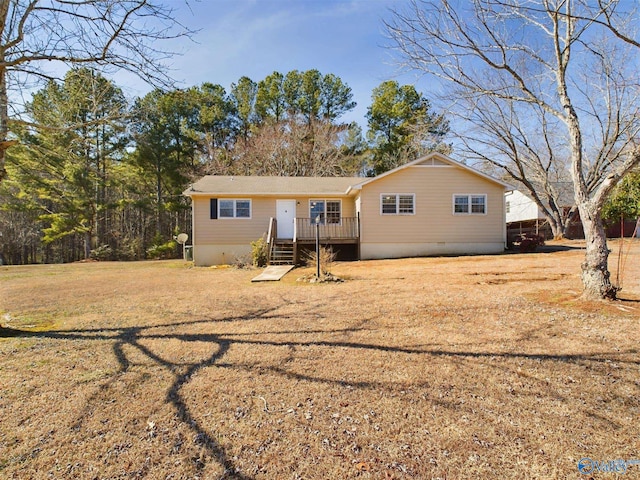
[{"x": 182, "y": 238}]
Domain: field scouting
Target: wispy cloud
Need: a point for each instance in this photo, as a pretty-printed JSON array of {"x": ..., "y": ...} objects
[{"x": 256, "y": 37}]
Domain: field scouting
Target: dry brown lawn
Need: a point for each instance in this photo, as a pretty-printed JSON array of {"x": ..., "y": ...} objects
[{"x": 469, "y": 367}]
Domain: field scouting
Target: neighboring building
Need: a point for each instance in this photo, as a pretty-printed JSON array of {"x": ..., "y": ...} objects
[
  {"x": 432, "y": 206},
  {"x": 521, "y": 208},
  {"x": 524, "y": 216}
]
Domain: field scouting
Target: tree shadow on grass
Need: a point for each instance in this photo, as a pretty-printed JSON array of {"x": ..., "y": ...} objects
[
  {"x": 131, "y": 337},
  {"x": 6, "y": 332},
  {"x": 553, "y": 248}
]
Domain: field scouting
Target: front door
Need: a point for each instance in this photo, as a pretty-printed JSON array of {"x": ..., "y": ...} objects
[{"x": 285, "y": 215}]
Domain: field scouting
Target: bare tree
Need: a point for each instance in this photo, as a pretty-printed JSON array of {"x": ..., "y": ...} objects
[
  {"x": 296, "y": 149},
  {"x": 556, "y": 80},
  {"x": 38, "y": 34},
  {"x": 524, "y": 148}
]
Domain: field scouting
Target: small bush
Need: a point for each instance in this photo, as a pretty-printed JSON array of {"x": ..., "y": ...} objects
[
  {"x": 259, "y": 252},
  {"x": 130, "y": 249},
  {"x": 327, "y": 257},
  {"x": 163, "y": 251},
  {"x": 103, "y": 252},
  {"x": 242, "y": 262}
]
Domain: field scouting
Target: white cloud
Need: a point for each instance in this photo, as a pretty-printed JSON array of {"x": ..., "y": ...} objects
[{"x": 256, "y": 37}]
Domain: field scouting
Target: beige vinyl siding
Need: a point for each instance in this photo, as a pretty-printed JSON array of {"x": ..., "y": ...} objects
[
  {"x": 433, "y": 220},
  {"x": 230, "y": 231},
  {"x": 369, "y": 251}
]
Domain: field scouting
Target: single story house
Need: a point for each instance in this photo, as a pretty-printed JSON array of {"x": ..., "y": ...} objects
[{"x": 431, "y": 206}]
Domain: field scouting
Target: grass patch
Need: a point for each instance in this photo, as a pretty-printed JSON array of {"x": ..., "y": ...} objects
[
  {"x": 413, "y": 368},
  {"x": 11, "y": 326}
]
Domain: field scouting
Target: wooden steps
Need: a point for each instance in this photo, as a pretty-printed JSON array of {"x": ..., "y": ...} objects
[{"x": 282, "y": 253}]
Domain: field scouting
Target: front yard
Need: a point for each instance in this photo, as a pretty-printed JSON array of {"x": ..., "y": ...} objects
[{"x": 467, "y": 367}]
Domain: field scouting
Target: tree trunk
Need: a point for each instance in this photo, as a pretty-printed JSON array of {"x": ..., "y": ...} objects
[
  {"x": 4, "y": 101},
  {"x": 557, "y": 228},
  {"x": 158, "y": 197},
  {"x": 595, "y": 271},
  {"x": 87, "y": 245},
  {"x": 4, "y": 120}
]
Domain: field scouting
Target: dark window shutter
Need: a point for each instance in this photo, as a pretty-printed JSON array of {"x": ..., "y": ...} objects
[{"x": 213, "y": 206}]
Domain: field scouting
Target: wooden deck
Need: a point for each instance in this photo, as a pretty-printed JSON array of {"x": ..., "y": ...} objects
[
  {"x": 287, "y": 251},
  {"x": 348, "y": 229}
]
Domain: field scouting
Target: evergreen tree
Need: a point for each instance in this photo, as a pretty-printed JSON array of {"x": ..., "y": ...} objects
[
  {"x": 217, "y": 123},
  {"x": 270, "y": 102},
  {"x": 35, "y": 35},
  {"x": 243, "y": 96},
  {"x": 66, "y": 165},
  {"x": 162, "y": 127},
  {"x": 402, "y": 126},
  {"x": 624, "y": 202}
]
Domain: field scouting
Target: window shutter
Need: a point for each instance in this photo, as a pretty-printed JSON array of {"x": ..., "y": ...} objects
[{"x": 213, "y": 208}]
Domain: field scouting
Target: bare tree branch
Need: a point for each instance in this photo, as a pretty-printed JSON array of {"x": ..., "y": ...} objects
[
  {"x": 120, "y": 34},
  {"x": 509, "y": 67}
]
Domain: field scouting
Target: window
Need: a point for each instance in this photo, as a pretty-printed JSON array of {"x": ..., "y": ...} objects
[
  {"x": 405, "y": 204},
  {"x": 389, "y": 204},
  {"x": 328, "y": 210},
  {"x": 243, "y": 208},
  {"x": 333, "y": 211},
  {"x": 228, "y": 208},
  {"x": 397, "y": 204},
  {"x": 470, "y": 204},
  {"x": 461, "y": 204}
]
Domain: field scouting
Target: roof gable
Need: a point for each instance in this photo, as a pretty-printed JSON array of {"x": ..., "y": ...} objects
[{"x": 434, "y": 159}]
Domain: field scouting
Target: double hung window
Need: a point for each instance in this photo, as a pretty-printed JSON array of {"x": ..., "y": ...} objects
[
  {"x": 469, "y": 204},
  {"x": 234, "y": 208},
  {"x": 397, "y": 204}
]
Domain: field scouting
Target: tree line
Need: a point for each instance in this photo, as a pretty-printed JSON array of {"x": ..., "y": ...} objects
[
  {"x": 96, "y": 175},
  {"x": 539, "y": 91}
]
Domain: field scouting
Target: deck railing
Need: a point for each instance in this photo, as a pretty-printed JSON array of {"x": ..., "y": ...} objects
[
  {"x": 347, "y": 229},
  {"x": 295, "y": 241},
  {"x": 271, "y": 236}
]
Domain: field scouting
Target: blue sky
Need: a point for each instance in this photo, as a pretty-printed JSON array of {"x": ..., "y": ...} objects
[{"x": 254, "y": 38}]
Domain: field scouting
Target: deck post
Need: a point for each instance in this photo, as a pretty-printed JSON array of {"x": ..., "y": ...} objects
[
  {"x": 358, "y": 232},
  {"x": 318, "y": 246},
  {"x": 295, "y": 241},
  {"x": 271, "y": 237}
]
